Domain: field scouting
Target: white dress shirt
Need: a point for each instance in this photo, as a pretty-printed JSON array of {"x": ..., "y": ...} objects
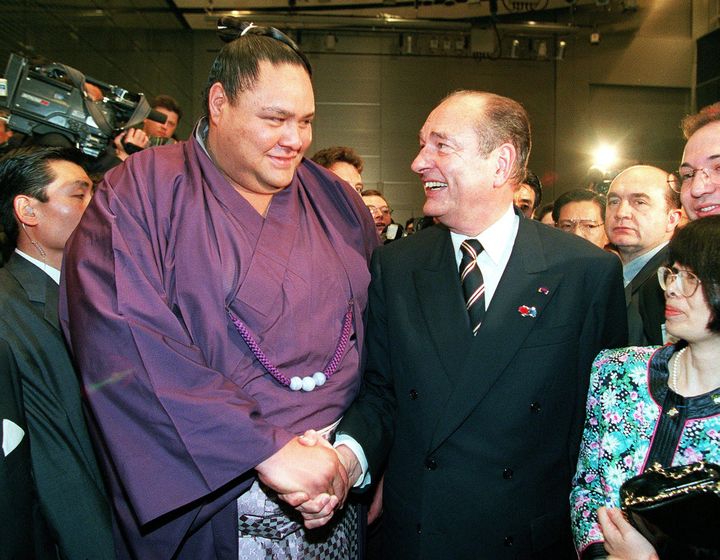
[{"x": 497, "y": 241}]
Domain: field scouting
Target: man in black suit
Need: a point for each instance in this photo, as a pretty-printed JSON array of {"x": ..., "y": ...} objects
[
  {"x": 478, "y": 433},
  {"x": 641, "y": 215},
  {"x": 44, "y": 193},
  {"x": 22, "y": 528}
]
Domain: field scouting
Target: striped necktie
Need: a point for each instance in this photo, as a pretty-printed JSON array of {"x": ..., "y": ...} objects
[{"x": 472, "y": 282}]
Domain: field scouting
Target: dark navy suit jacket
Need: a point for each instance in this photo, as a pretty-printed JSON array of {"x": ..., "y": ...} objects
[
  {"x": 67, "y": 477},
  {"x": 480, "y": 435}
]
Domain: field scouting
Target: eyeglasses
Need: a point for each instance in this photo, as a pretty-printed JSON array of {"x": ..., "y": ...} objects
[
  {"x": 687, "y": 174},
  {"x": 685, "y": 281},
  {"x": 585, "y": 226},
  {"x": 382, "y": 210}
]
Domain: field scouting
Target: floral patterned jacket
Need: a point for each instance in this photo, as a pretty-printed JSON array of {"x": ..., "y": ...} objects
[{"x": 634, "y": 421}]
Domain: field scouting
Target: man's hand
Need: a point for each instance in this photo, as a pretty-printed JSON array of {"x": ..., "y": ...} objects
[
  {"x": 622, "y": 540},
  {"x": 319, "y": 510},
  {"x": 299, "y": 473},
  {"x": 350, "y": 461},
  {"x": 376, "y": 506},
  {"x": 134, "y": 137}
]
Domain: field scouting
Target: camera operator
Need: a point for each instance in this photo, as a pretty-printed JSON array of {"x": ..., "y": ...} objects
[
  {"x": 160, "y": 133},
  {"x": 52, "y": 104},
  {"x": 134, "y": 138}
]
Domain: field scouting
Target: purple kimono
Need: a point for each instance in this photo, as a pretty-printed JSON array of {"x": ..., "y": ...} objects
[{"x": 182, "y": 409}]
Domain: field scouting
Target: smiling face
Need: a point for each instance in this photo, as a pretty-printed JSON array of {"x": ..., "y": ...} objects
[
  {"x": 464, "y": 189},
  {"x": 258, "y": 140},
  {"x": 701, "y": 197},
  {"x": 638, "y": 217}
]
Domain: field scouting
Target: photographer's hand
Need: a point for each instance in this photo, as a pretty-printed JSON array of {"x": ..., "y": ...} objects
[{"x": 130, "y": 141}]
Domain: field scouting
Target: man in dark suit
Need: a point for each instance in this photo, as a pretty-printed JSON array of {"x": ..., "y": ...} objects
[
  {"x": 478, "y": 433},
  {"x": 22, "y": 528},
  {"x": 44, "y": 193},
  {"x": 641, "y": 215}
]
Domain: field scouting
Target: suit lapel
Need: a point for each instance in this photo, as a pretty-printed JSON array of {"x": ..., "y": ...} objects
[
  {"x": 648, "y": 271},
  {"x": 524, "y": 291},
  {"x": 38, "y": 286},
  {"x": 442, "y": 303}
]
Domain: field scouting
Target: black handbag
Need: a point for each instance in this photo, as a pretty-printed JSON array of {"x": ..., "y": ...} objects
[{"x": 677, "y": 509}]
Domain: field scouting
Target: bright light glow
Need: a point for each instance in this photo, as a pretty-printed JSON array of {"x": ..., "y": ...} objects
[{"x": 605, "y": 157}]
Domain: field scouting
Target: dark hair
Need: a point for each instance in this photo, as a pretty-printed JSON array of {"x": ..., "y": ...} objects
[
  {"x": 697, "y": 246},
  {"x": 578, "y": 195},
  {"x": 237, "y": 66},
  {"x": 27, "y": 171},
  {"x": 503, "y": 120},
  {"x": 533, "y": 181},
  {"x": 544, "y": 209},
  {"x": 328, "y": 156},
  {"x": 167, "y": 102},
  {"x": 692, "y": 123}
]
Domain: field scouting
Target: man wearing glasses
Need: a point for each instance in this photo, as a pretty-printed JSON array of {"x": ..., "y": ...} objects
[
  {"x": 379, "y": 208},
  {"x": 699, "y": 173},
  {"x": 582, "y": 212},
  {"x": 641, "y": 215}
]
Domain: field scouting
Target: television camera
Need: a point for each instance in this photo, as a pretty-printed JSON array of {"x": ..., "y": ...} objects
[{"x": 52, "y": 98}]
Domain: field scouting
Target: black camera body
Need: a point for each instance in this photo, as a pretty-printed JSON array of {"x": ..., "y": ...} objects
[{"x": 51, "y": 98}]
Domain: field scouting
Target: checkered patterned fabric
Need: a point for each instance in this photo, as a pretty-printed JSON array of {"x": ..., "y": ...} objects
[{"x": 269, "y": 529}]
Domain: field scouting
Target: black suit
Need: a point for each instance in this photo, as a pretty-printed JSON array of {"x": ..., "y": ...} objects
[
  {"x": 481, "y": 434},
  {"x": 646, "y": 304},
  {"x": 22, "y": 530},
  {"x": 68, "y": 481}
]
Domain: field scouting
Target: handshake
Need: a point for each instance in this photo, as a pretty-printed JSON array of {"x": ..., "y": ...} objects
[{"x": 311, "y": 476}]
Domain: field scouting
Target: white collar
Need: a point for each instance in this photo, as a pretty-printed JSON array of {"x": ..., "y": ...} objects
[
  {"x": 494, "y": 239},
  {"x": 51, "y": 271}
]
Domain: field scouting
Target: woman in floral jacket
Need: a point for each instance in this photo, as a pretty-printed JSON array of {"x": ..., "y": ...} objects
[{"x": 653, "y": 405}]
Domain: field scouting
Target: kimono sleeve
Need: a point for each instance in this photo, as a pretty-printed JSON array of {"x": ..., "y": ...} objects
[{"x": 174, "y": 429}]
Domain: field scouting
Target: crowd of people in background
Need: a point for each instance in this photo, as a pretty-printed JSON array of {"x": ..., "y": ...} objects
[{"x": 223, "y": 349}]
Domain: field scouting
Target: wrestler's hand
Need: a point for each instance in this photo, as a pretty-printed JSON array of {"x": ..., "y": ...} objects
[
  {"x": 298, "y": 468},
  {"x": 318, "y": 511},
  {"x": 296, "y": 499},
  {"x": 345, "y": 454},
  {"x": 622, "y": 540}
]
